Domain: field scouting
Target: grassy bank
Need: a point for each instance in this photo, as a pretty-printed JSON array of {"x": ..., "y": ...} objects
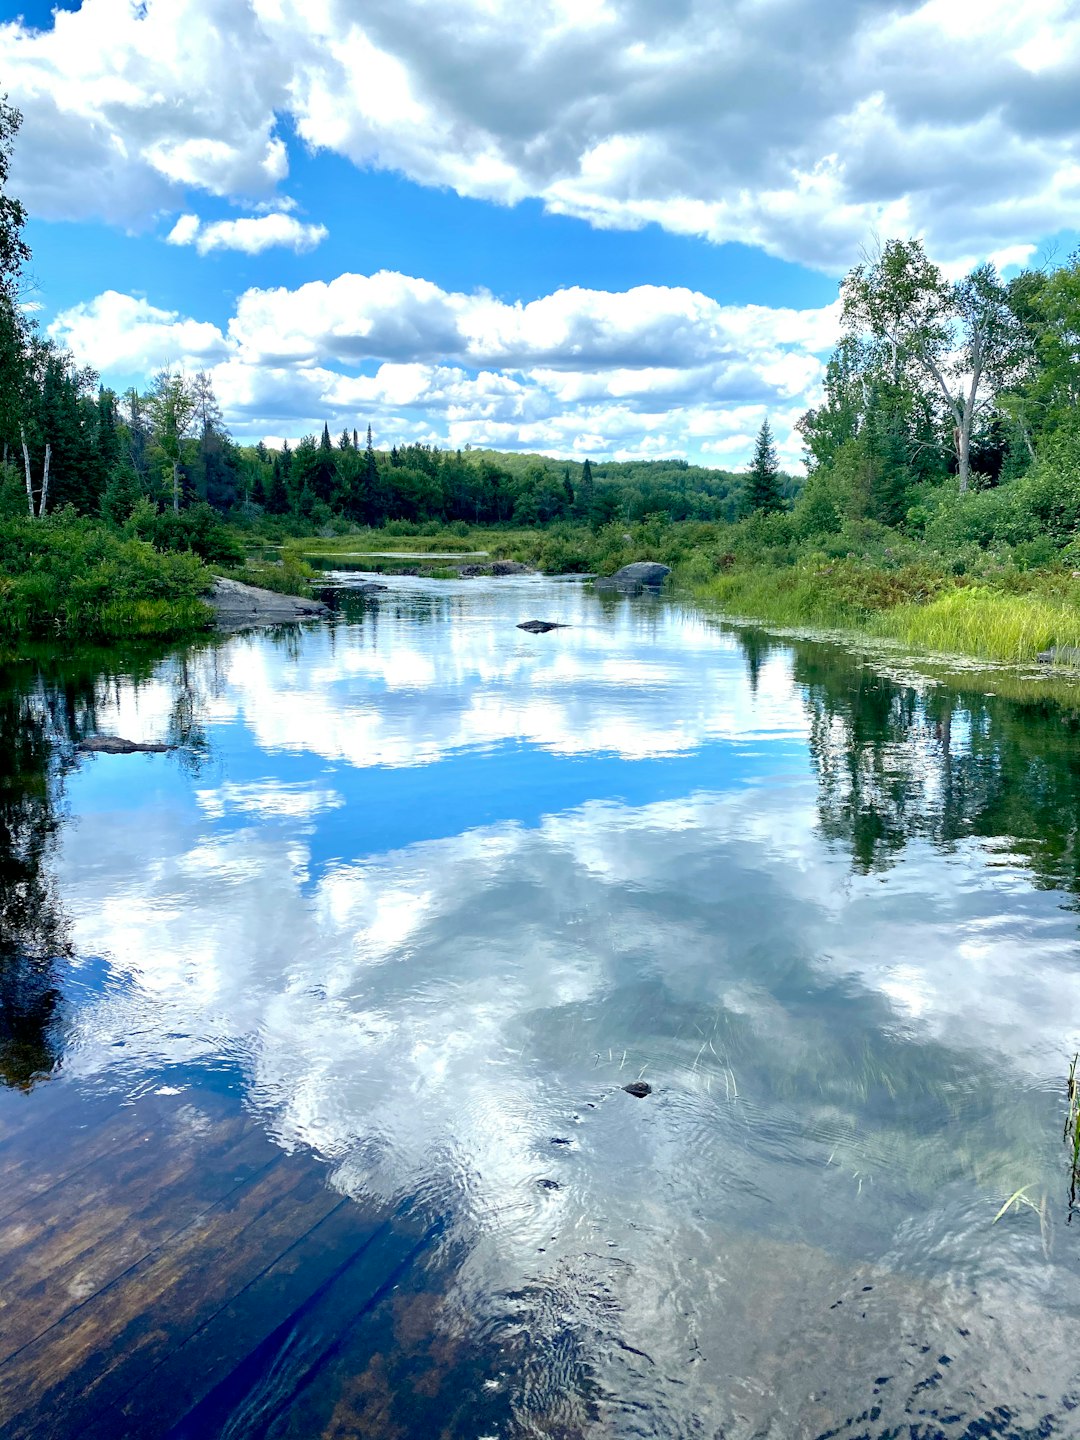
[
  {"x": 70, "y": 578},
  {"x": 875, "y": 582},
  {"x": 922, "y": 609}
]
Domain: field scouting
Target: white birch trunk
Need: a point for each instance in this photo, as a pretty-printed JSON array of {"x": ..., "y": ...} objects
[
  {"x": 45, "y": 481},
  {"x": 26, "y": 464}
]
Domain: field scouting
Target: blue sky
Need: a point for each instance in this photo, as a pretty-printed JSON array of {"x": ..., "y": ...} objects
[{"x": 620, "y": 233}]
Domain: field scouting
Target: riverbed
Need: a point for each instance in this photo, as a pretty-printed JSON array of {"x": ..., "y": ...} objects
[{"x": 316, "y": 1033}]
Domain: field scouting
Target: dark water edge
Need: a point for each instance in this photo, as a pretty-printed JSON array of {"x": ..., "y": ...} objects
[{"x": 830, "y": 914}]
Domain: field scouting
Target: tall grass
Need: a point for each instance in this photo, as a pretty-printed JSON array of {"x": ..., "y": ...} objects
[{"x": 986, "y": 623}]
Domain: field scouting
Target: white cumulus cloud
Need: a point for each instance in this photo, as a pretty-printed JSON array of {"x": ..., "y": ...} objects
[
  {"x": 789, "y": 125},
  {"x": 652, "y": 371},
  {"x": 251, "y": 234}
]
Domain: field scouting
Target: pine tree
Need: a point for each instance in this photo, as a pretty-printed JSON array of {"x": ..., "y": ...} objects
[
  {"x": 763, "y": 480},
  {"x": 586, "y": 494}
]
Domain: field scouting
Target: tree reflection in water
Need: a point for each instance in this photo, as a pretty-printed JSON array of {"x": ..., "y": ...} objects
[{"x": 897, "y": 761}]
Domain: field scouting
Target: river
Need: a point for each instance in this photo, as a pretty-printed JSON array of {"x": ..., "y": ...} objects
[{"x": 314, "y": 1033}]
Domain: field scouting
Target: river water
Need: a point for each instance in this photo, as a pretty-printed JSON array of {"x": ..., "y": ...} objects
[{"x": 417, "y": 894}]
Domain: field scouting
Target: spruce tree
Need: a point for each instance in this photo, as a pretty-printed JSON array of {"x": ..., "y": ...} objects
[{"x": 763, "y": 480}]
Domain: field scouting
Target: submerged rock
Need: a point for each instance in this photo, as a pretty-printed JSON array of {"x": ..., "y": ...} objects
[
  {"x": 496, "y": 568},
  {"x": 239, "y": 607},
  {"x": 114, "y": 745},
  {"x": 1060, "y": 655},
  {"x": 540, "y": 627},
  {"x": 638, "y": 1088},
  {"x": 619, "y": 587}
]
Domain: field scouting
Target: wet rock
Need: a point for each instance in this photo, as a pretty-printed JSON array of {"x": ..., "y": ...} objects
[
  {"x": 559, "y": 1140},
  {"x": 238, "y": 606},
  {"x": 114, "y": 745},
  {"x": 1060, "y": 655},
  {"x": 496, "y": 568},
  {"x": 619, "y": 587},
  {"x": 643, "y": 572},
  {"x": 638, "y": 1089},
  {"x": 547, "y": 1184},
  {"x": 540, "y": 627}
]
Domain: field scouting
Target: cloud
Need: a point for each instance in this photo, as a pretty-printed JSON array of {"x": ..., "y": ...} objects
[
  {"x": 788, "y": 125},
  {"x": 252, "y": 234},
  {"x": 652, "y": 371}
]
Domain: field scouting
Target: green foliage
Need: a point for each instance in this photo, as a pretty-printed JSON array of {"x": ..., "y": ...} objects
[
  {"x": 69, "y": 576},
  {"x": 762, "y": 492},
  {"x": 197, "y": 530}
]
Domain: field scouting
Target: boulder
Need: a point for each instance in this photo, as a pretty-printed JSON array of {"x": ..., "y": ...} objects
[
  {"x": 509, "y": 567},
  {"x": 638, "y": 1088},
  {"x": 114, "y": 745},
  {"x": 540, "y": 627},
  {"x": 643, "y": 572},
  {"x": 240, "y": 607}
]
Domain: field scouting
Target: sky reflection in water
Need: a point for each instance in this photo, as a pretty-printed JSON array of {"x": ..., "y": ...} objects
[{"x": 430, "y": 891}]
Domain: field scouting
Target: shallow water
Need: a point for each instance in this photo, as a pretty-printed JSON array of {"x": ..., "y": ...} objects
[{"x": 415, "y": 898}]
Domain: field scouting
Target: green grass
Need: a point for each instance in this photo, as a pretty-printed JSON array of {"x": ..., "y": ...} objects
[
  {"x": 988, "y": 624},
  {"x": 923, "y": 610}
]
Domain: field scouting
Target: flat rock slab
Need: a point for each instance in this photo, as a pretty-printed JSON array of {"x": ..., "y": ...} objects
[
  {"x": 540, "y": 627},
  {"x": 114, "y": 745},
  {"x": 239, "y": 607}
]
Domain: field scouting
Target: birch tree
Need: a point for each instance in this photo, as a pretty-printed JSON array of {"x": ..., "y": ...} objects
[
  {"x": 172, "y": 407},
  {"x": 958, "y": 339}
]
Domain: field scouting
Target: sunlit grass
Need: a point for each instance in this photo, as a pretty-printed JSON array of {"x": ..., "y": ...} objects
[{"x": 983, "y": 622}]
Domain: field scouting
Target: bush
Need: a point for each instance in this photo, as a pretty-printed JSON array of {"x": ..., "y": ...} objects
[{"x": 65, "y": 575}]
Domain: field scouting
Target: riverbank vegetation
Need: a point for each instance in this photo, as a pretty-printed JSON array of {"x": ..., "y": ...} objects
[{"x": 940, "y": 506}]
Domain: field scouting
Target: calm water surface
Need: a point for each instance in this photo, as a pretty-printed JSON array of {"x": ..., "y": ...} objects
[{"x": 414, "y": 899}]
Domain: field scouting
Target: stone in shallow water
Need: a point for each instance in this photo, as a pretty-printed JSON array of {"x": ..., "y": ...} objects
[
  {"x": 114, "y": 745},
  {"x": 540, "y": 627},
  {"x": 638, "y": 1089}
]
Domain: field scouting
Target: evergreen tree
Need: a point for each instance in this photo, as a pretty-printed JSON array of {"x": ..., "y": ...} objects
[
  {"x": 763, "y": 480},
  {"x": 586, "y": 496}
]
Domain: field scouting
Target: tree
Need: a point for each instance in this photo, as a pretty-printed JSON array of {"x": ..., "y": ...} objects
[
  {"x": 171, "y": 406},
  {"x": 961, "y": 339},
  {"x": 763, "y": 479},
  {"x": 14, "y": 252}
]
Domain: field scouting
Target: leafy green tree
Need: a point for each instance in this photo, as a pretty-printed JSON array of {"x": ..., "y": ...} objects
[
  {"x": 763, "y": 490},
  {"x": 14, "y": 252},
  {"x": 171, "y": 407},
  {"x": 960, "y": 340}
]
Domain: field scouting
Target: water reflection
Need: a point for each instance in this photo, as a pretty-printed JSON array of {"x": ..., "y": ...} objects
[{"x": 436, "y": 891}]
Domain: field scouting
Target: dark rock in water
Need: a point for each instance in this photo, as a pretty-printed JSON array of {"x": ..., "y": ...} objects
[
  {"x": 496, "y": 568},
  {"x": 1060, "y": 655},
  {"x": 540, "y": 627},
  {"x": 547, "y": 1184},
  {"x": 559, "y": 1140},
  {"x": 643, "y": 572},
  {"x": 619, "y": 587},
  {"x": 114, "y": 745},
  {"x": 242, "y": 607},
  {"x": 638, "y": 1089}
]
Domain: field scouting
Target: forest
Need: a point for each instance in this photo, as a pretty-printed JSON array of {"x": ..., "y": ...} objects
[{"x": 944, "y": 457}]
